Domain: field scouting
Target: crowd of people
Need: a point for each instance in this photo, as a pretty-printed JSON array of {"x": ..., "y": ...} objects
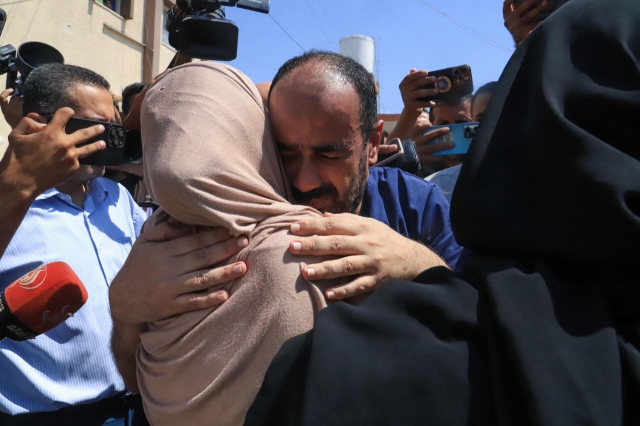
[{"x": 276, "y": 275}]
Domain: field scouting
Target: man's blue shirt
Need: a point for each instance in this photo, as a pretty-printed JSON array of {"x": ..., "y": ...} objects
[
  {"x": 71, "y": 364},
  {"x": 413, "y": 207}
]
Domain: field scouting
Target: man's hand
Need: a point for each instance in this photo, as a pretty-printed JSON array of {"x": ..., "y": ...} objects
[
  {"x": 11, "y": 108},
  {"x": 425, "y": 150},
  {"x": 41, "y": 156},
  {"x": 411, "y": 88},
  {"x": 519, "y": 20},
  {"x": 386, "y": 150},
  {"x": 372, "y": 253},
  {"x": 168, "y": 272}
]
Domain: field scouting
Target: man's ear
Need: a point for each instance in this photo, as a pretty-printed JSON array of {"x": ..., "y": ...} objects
[
  {"x": 374, "y": 142},
  {"x": 37, "y": 118}
]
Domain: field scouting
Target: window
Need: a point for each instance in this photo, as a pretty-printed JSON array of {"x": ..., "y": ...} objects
[
  {"x": 113, "y": 5},
  {"x": 123, "y": 8}
]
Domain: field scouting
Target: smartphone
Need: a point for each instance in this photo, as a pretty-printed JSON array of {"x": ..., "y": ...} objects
[
  {"x": 114, "y": 136},
  {"x": 388, "y": 159},
  {"x": 452, "y": 82},
  {"x": 460, "y": 134},
  {"x": 552, "y": 6}
]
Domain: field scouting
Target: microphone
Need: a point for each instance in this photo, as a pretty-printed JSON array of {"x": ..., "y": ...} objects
[{"x": 39, "y": 301}]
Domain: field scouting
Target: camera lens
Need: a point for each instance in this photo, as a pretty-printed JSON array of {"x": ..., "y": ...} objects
[{"x": 443, "y": 84}]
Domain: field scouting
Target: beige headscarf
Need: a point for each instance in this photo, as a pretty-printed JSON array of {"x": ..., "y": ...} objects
[{"x": 210, "y": 160}]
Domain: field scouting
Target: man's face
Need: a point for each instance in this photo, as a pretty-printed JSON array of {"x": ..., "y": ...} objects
[
  {"x": 92, "y": 103},
  {"x": 456, "y": 114},
  {"x": 480, "y": 105},
  {"x": 316, "y": 121}
]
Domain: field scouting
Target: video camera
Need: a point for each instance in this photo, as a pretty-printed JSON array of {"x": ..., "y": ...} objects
[
  {"x": 18, "y": 63},
  {"x": 200, "y": 29}
]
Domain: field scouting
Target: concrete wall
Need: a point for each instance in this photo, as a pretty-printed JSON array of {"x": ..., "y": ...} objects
[{"x": 88, "y": 34}]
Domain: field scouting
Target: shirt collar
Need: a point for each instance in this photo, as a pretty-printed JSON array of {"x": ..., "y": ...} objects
[{"x": 98, "y": 192}]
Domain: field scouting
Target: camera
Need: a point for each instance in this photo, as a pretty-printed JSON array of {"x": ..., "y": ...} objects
[
  {"x": 552, "y": 6},
  {"x": 201, "y": 30},
  {"x": 18, "y": 63},
  {"x": 451, "y": 83}
]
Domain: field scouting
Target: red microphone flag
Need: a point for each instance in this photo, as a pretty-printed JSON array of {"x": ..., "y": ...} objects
[{"x": 45, "y": 297}]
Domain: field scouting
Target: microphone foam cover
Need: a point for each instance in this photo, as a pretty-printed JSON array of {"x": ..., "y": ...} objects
[{"x": 47, "y": 296}]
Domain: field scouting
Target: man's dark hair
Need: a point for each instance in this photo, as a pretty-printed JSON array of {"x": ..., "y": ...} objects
[
  {"x": 487, "y": 88},
  {"x": 349, "y": 69},
  {"x": 128, "y": 92},
  {"x": 48, "y": 87},
  {"x": 448, "y": 102}
]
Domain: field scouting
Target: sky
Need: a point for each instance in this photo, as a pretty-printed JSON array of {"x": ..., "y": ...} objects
[{"x": 408, "y": 34}]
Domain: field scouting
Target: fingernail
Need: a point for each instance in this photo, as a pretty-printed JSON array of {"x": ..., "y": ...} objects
[
  {"x": 103, "y": 144},
  {"x": 237, "y": 269},
  {"x": 101, "y": 128},
  {"x": 241, "y": 242},
  {"x": 295, "y": 227},
  {"x": 330, "y": 294},
  {"x": 223, "y": 296},
  {"x": 311, "y": 272},
  {"x": 297, "y": 246}
]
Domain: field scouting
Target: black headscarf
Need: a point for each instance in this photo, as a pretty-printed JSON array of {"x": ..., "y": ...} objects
[{"x": 542, "y": 326}]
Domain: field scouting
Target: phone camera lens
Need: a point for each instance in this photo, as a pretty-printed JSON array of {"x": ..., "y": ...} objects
[{"x": 443, "y": 84}]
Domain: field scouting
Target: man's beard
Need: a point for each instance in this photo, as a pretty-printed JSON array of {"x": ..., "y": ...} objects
[{"x": 352, "y": 197}]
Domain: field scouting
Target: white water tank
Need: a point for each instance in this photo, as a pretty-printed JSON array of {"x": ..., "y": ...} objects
[{"x": 360, "y": 48}]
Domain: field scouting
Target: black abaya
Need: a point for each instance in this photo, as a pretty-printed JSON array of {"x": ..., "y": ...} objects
[{"x": 542, "y": 326}]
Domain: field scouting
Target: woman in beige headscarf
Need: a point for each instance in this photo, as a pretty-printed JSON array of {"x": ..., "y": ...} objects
[{"x": 210, "y": 160}]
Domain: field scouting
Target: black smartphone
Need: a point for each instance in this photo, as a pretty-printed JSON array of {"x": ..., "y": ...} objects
[
  {"x": 453, "y": 82},
  {"x": 114, "y": 135},
  {"x": 552, "y": 6}
]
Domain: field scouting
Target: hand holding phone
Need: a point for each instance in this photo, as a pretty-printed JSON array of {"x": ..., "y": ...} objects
[
  {"x": 412, "y": 89},
  {"x": 41, "y": 157},
  {"x": 459, "y": 134},
  {"x": 452, "y": 82},
  {"x": 114, "y": 137},
  {"x": 390, "y": 158}
]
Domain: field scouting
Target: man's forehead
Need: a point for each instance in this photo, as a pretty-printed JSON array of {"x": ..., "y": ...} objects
[
  {"x": 463, "y": 108},
  {"x": 314, "y": 80},
  {"x": 93, "y": 103}
]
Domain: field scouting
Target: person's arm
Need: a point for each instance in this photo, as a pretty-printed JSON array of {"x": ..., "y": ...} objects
[
  {"x": 11, "y": 108},
  {"x": 39, "y": 157},
  {"x": 519, "y": 20},
  {"x": 369, "y": 250},
  {"x": 168, "y": 272},
  {"x": 410, "y": 124}
]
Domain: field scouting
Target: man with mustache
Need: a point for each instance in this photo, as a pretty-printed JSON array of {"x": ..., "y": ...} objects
[{"x": 394, "y": 225}]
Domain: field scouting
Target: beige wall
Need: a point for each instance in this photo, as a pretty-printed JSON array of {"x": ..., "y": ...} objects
[{"x": 87, "y": 33}]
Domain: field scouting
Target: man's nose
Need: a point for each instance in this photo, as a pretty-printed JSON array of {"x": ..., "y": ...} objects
[{"x": 305, "y": 177}]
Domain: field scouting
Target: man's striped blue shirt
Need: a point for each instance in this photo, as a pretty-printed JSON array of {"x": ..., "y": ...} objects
[{"x": 71, "y": 364}]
